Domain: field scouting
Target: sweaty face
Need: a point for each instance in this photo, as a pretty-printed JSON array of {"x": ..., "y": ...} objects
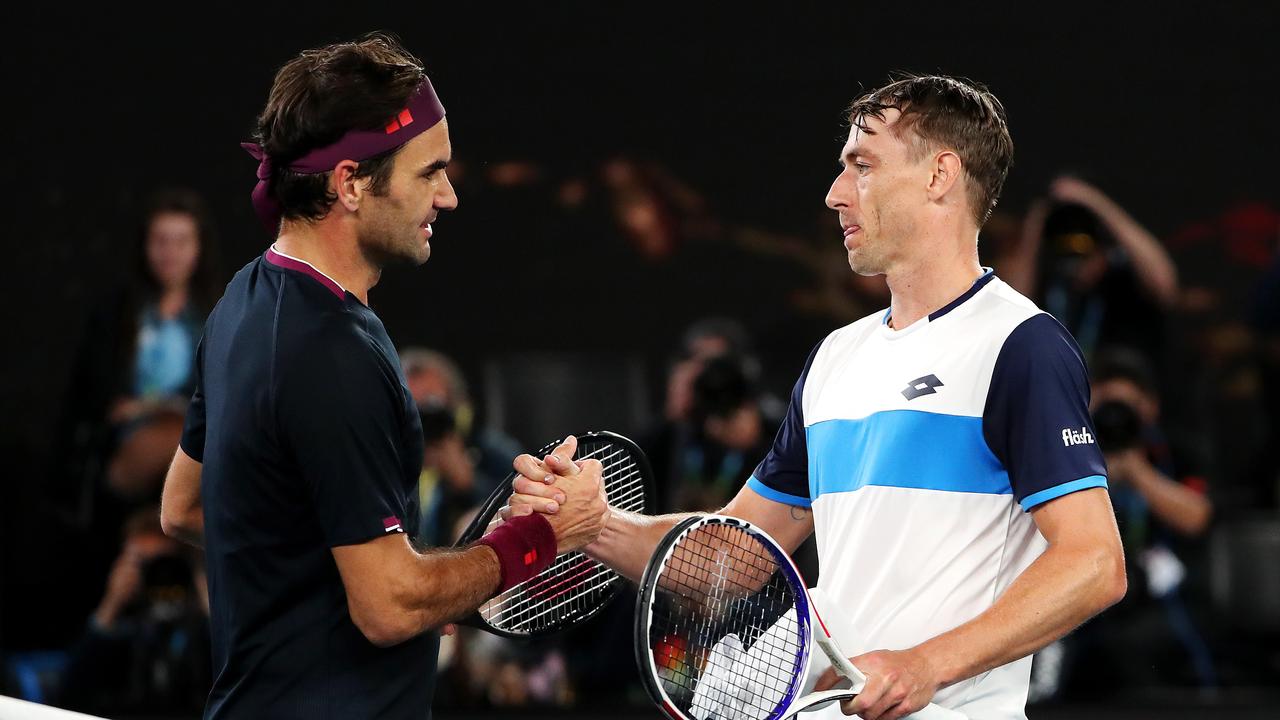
[
  {"x": 395, "y": 227},
  {"x": 879, "y": 196}
]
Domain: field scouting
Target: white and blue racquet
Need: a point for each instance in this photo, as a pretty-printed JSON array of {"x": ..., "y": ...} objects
[{"x": 724, "y": 624}]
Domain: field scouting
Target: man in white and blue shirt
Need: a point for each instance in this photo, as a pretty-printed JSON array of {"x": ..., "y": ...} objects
[
  {"x": 927, "y": 444},
  {"x": 941, "y": 449}
]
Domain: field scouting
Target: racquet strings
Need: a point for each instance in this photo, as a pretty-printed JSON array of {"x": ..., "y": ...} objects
[{"x": 724, "y": 630}]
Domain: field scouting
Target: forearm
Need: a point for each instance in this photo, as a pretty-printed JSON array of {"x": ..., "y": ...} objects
[
  {"x": 1153, "y": 266},
  {"x": 1063, "y": 588},
  {"x": 629, "y": 540},
  {"x": 1176, "y": 505},
  {"x": 439, "y": 587}
]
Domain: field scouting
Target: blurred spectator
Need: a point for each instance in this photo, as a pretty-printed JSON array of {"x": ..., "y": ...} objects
[
  {"x": 1091, "y": 265},
  {"x": 447, "y": 485},
  {"x": 132, "y": 375},
  {"x": 726, "y": 436},
  {"x": 705, "y": 339},
  {"x": 702, "y": 342},
  {"x": 1162, "y": 509},
  {"x": 146, "y": 647},
  {"x": 462, "y": 462},
  {"x": 1140, "y": 460}
]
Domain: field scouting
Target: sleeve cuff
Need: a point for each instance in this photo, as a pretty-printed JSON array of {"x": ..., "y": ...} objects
[
  {"x": 1065, "y": 488},
  {"x": 769, "y": 493},
  {"x": 186, "y": 446}
]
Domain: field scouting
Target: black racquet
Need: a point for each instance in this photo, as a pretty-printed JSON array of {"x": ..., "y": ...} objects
[
  {"x": 575, "y": 587},
  {"x": 724, "y": 624}
]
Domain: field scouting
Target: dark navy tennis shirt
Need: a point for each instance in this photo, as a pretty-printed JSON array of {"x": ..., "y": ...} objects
[{"x": 309, "y": 439}]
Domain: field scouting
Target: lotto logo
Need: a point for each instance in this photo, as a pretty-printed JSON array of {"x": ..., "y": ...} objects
[
  {"x": 1074, "y": 437},
  {"x": 926, "y": 385}
]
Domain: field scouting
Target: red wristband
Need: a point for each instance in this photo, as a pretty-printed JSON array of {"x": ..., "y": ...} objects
[{"x": 526, "y": 545}]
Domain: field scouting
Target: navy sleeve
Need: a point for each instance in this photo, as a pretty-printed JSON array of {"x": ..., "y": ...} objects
[
  {"x": 1036, "y": 419},
  {"x": 339, "y": 406},
  {"x": 783, "y": 475},
  {"x": 192, "y": 442}
]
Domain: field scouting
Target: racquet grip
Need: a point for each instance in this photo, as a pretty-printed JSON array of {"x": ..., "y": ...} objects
[{"x": 525, "y": 546}]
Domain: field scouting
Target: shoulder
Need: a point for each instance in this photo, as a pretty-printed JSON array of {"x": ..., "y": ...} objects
[
  {"x": 329, "y": 349},
  {"x": 849, "y": 337},
  {"x": 1040, "y": 337},
  {"x": 327, "y": 337},
  {"x": 996, "y": 312}
]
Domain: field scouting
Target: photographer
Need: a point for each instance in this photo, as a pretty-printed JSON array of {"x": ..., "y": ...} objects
[
  {"x": 1140, "y": 462},
  {"x": 146, "y": 647},
  {"x": 1150, "y": 638},
  {"x": 1090, "y": 264},
  {"x": 447, "y": 484}
]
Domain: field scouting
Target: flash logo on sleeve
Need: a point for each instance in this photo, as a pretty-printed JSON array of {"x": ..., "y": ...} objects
[{"x": 1076, "y": 437}]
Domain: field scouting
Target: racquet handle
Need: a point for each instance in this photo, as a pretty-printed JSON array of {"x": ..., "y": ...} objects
[{"x": 846, "y": 670}]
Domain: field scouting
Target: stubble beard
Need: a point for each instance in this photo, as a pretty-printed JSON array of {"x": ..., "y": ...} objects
[{"x": 385, "y": 243}]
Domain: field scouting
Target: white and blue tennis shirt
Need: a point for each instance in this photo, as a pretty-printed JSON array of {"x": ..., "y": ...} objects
[{"x": 920, "y": 451}]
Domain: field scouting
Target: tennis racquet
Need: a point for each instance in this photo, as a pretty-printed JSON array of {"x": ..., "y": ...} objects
[
  {"x": 575, "y": 587},
  {"x": 724, "y": 624}
]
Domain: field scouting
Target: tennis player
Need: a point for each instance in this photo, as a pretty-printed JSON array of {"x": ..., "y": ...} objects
[
  {"x": 941, "y": 449},
  {"x": 302, "y": 445}
]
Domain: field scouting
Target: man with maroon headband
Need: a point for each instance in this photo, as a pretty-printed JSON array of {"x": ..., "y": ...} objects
[{"x": 302, "y": 444}]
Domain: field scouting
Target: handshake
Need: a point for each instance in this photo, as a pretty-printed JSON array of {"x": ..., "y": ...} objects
[{"x": 569, "y": 493}]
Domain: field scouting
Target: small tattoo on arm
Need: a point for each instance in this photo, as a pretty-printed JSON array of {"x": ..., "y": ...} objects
[{"x": 799, "y": 513}]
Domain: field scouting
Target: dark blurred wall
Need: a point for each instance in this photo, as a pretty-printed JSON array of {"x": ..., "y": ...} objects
[{"x": 1171, "y": 108}]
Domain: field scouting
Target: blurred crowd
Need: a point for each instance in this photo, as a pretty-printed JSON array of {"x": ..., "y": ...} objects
[{"x": 1182, "y": 336}]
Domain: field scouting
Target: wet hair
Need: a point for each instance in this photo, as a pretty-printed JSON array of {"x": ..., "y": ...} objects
[{"x": 953, "y": 114}]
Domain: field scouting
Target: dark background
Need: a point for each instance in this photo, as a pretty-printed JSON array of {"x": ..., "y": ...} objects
[{"x": 1171, "y": 108}]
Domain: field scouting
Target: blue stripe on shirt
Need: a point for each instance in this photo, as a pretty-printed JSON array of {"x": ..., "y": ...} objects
[{"x": 906, "y": 449}]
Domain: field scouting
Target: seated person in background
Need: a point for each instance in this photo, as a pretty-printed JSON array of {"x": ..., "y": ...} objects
[
  {"x": 132, "y": 375},
  {"x": 146, "y": 647},
  {"x": 1161, "y": 504},
  {"x": 436, "y": 383}
]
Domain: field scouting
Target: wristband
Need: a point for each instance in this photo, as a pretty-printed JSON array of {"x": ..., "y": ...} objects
[{"x": 525, "y": 545}]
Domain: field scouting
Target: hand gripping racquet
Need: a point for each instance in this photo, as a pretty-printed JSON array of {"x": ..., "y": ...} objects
[{"x": 724, "y": 625}]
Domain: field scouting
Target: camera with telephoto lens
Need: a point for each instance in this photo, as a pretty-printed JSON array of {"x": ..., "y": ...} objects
[
  {"x": 1117, "y": 426},
  {"x": 437, "y": 421}
]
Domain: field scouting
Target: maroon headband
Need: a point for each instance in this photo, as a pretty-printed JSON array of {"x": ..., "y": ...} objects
[{"x": 423, "y": 113}]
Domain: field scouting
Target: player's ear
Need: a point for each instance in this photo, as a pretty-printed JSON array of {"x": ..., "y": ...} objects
[
  {"x": 344, "y": 183},
  {"x": 946, "y": 169}
]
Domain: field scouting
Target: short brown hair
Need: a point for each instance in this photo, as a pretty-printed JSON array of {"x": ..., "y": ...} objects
[
  {"x": 320, "y": 95},
  {"x": 951, "y": 113}
]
